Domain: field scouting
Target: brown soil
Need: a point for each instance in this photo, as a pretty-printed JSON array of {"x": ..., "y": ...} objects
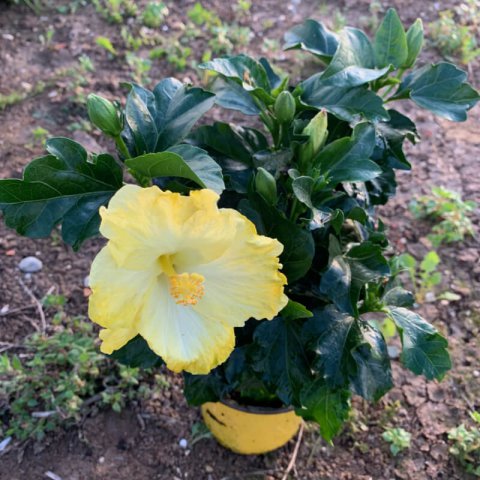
[{"x": 142, "y": 442}]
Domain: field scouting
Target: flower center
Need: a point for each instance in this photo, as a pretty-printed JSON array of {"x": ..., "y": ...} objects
[{"x": 185, "y": 288}]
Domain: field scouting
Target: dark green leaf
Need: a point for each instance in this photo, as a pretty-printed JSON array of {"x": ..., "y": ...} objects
[
  {"x": 242, "y": 68},
  {"x": 398, "y": 297},
  {"x": 185, "y": 161},
  {"x": 199, "y": 389},
  {"x": 424, "y": 349},
  {"x": 327, "y": 406},
  {"x": 159, "y": 119},
  {"x": 281, "y": 357},
  {"x": 231, "y": 95},
  {"x": 335, "y": 284},
  {"x": 373, "y": 377},
  {"x": 441, "y": 89},
  {"x": 66, "y": 189},
  {"x": 332, "y": 335},
  {"x": 391, "y": 41},
  {"x": 273, "y": 79},
  {"x": 137, "y": 353},
  {"x": 354, "y": 61},
  {"x": 234, "y": 142},
  {"x": 414, "y": 42},
  {"x": 346, "y": 103},
  {"x": 312, "y": 37},
  {"x": 347, "y": 159}
]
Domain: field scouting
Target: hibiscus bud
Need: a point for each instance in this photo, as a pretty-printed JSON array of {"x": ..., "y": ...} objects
[
  {"x": 317, "y": 131},
  {"x": 266, "y": 185},
  {"x": 285, "y": 107},
  {"x": 104, "y": 115}
]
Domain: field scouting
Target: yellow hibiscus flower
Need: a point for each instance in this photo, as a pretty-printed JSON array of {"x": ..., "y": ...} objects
[{"x": 182, "y": 273}]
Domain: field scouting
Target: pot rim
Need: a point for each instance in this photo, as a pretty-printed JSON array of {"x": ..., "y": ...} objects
[{"x": 256, "y": 409}]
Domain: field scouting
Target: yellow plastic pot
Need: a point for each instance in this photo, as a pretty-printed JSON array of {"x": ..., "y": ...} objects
[{"x": 250, "y": 430}]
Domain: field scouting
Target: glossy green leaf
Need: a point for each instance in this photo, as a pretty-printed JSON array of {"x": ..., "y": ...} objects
[
  {"x": 442, "y": 89},
  {"x": 336, "y": 282},
  {"x": 246, "y": 72},
  {"x": 332, "y": 335},
  {"x": 137, "y": 353},
  {"x": 199, "y": 389},
  {"x": 373, "y": 375},
  {"x": 414, "y": 42},
  {"x": 354, "y": 61},
  {"x": 281, "y": 357},
  {"x": 60, "y": 188},
  {"x": 157, "y": 120},
  {"x": 398, "y": 297},
  {"x": 231, "y": 95},
  {"x": 327, "y": 406},
  {"x": 185, "y": 161},
  {"x": 424, "y": 349},
  {"x": 312, "y": 37},
  {"x": 347, "y": 159},
  {"x": 391, "y": 41},
  {"x": 230, "y": 140},
  {"x": 346, "y": 103}
]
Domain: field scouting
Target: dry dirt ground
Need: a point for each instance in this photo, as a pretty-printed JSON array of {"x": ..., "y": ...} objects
[{"x": 121, "y": 446}]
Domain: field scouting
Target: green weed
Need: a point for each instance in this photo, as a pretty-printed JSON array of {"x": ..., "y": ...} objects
[
  {"x": 59, "y": 378},
  {"x": 466, "y": 445},
  {"x": 154, "y": 14},
  {"x": 452, "y": 212},
  {"x": 398, "y": 438}
]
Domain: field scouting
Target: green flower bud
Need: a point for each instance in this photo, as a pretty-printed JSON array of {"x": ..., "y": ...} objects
[
  {"x": 104, "y": 115},
  {"x": 285, "y": 107},
  {"x": 266, "y": 185},
  {"x": 317, "y": 131}
]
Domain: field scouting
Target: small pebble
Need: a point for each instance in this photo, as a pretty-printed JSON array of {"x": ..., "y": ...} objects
[
  {"x": 86, "y": 281},
  {"x": 393, "y": 352},
  {"x": 429, "y": 297},
  {"x": 101, "y": 460},
  {"x": 208, "y": 469},
  {"x": 30, "y": 265},
  {"x": 4, "y": 309},
  {"x": 4, "y": 443},
  {"x": 8, "y": 36},
  {"x": 183, "y": 443},
  {"x": 476, "y": 373}
]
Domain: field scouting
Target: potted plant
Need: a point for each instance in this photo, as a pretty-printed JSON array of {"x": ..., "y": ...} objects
[{"x": 251, "y": 258}]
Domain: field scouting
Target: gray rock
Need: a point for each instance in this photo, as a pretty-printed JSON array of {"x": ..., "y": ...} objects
[
  {"x": 30, "y": 265},
  {"x": 393, "y": 352},
  {"x": 86, "y": 281}
]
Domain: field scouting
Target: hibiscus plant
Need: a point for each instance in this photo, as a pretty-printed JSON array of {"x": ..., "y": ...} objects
[{"x": 250, "y": 256}]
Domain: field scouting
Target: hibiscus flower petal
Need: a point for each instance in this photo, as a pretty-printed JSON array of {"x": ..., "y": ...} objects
[
  {"x": 117, "y": 293},
  {"x": 182, "y": 337},
  {"x": 245, "y": 280}
]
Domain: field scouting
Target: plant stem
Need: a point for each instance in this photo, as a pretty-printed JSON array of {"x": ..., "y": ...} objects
[{"x": 122, "y": 148}]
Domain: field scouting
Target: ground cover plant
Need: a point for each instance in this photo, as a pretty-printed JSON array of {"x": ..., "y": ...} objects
[{"x": 309, "y": 183}]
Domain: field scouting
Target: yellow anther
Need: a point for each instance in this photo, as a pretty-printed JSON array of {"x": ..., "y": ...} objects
[{"x": 185, "y": 288}]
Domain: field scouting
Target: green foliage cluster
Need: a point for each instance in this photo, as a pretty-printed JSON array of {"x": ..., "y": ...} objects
[
  {"x": 455, "y": 33},
  {"x": 466, "y": 445},
  {"x": 450, "y": 210},
  {"x": 398, "y": 438},
  {"x": 311, "y": 177},
  {"x": 58, "y": 378},
  {"x": 424, "y": 275}
]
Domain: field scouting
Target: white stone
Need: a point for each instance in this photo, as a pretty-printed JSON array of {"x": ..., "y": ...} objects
[
  {"x": 183, "y": 443},
  {"x": 30, "y": 265}
]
